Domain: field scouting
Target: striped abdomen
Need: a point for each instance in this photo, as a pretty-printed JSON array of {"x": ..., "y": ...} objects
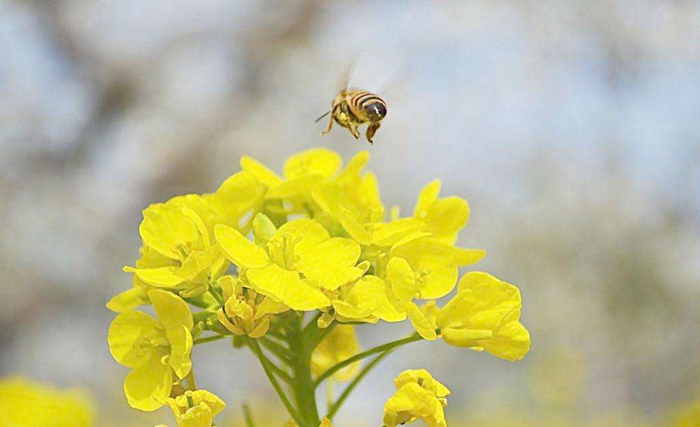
[{"x": 366, "y": 106}]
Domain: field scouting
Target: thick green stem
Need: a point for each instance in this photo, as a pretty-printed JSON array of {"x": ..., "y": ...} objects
[
  {"x": 365, "y": 354},
  {"x": 304, "y": 390}
]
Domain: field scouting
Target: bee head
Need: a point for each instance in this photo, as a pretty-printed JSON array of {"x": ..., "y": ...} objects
[{"x": 375, "y": 111}]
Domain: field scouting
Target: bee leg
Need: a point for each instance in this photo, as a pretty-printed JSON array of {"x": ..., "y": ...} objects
[
  {"x": 330, "y": 126},
  {"x": 371, "y": 130},
  {"x": 353, "y": 131}
]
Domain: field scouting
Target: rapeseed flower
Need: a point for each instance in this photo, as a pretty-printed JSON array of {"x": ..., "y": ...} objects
[
  {"x": 485, "y": 315},
  {"x": 26, "y": 403},
  {"x": 154, "y": 349},
  {"x": 245, "y": 312},
  {"x": 274, "y": 264},
  {"x": 195, "y": 408},
  {"x": 418, "y": 396},
  {"x": 178, "y": 253}
]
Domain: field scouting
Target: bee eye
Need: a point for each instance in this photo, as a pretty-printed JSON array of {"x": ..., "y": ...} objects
[{"x": 375, "y": 111}]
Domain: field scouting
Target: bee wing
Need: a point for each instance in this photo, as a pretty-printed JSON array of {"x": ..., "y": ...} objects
[
  {"x": 347, "y": 75},
  {"x": 394, "y": 85}
]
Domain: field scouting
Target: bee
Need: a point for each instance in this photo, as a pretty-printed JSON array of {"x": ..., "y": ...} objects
[{"x": 354, "y": 107}]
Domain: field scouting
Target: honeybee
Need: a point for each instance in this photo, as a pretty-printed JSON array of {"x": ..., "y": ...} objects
[{"x": 354, "y": 107}]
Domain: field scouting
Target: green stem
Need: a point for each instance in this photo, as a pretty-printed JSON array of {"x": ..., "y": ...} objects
[
  {"x": 275, "y": 384},
  {"x": 284, "y": 376},
  {"x": 277, "y": 349},
  {"x": 209, "y": 339},
  {"x": 365, "y": 354},
  {"x": 248, "y": 418},
  {"x": 304, "y": 390},
  {"x": 333, "y": 409}
]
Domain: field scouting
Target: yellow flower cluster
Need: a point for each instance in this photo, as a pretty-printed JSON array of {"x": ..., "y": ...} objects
[
  {"x": 25, "y": 403},
  {"x": 252, "y": 258}
]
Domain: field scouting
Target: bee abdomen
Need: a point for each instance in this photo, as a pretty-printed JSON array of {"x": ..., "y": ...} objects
[{"x": 361, "y": 99}]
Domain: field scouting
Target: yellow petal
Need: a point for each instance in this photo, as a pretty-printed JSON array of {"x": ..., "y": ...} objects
[
  {"x": 390, "y": 233},
  {"x": 330, "y": 263},
  {"x": 319, "y": 161},
  {"x": 465, "y": 337},
  {"x": 428, "y": 195},
  {"x": 237, "y": 196},
  {"x": 305, "y": 297},
  {"x": 312, "y": 233},
  {"x": 164, "y": 277},
  {"x": 209, "y": 399},
  {"x": 354, "y": 228},
  {"x": 511, "y": 342},
  {"x": 164, "y": 227},
  {"x": 436, "y": 261},
  {"x": 180, "y": 350},
  {"x": 420, "y": 323},
  {"x": 126, "y": 332},
  {"x": 369, "y": 295},
  {"x": 147, "y": 387},
  {"x": 199, "y": 416},
  {"x": 127, "y": 300},
  {"x": 286, "y": 286},
  {"x": 172, "y": 311},
  {"x": 260, "y": 172},
  {"x": 260, "y": 329},
  {"x": 198, "y": 262},
  {"x": 269, "y": 306},
  {"x": 238, "y": 249},
  {"x": 446, "y": 217},
  {"x": 401, "y": 279}
]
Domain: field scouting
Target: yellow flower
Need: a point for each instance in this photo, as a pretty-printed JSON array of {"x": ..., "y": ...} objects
[
  {"x": 352, "y": 199},
  {"x": 303, "y": 172},
  {"x": 403, "y": 284},
  {"x": 418, "y": 396},
  {"x": 436, "y": 262},
  {"x": 274, "y": 266},
  {"x": 340, "y": 344},
  {"x": 237, "y": 200},
  {"x": 485, "y": 315},
  {"x": 245, "y": 312},
  {"x": 153, "y": 349},
  {"x": 178, "y": 253},
  {"x": 25, "y": 403},
  {"x": 444, "y": 218},
  {"x": 366, "y": 301},
  {"x": 195, "y": 408}
]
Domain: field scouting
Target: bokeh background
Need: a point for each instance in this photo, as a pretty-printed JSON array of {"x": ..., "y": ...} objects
[{"x": 572, "y": 127}]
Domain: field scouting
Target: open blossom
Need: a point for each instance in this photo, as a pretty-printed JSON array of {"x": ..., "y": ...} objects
[
  {"x": 178, "y": 253},
  {"x": 155, "y": 349},
  {"x": 274, "y": 267},
  {"x": 418, "y": 396},
  {"x": 485, "y": 315}
]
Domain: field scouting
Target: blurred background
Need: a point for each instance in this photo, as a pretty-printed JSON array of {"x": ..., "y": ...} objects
[{"x": 572, "y": 127}]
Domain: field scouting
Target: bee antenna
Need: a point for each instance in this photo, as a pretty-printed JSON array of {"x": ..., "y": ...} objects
[{"x": 324, "y": 115}]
